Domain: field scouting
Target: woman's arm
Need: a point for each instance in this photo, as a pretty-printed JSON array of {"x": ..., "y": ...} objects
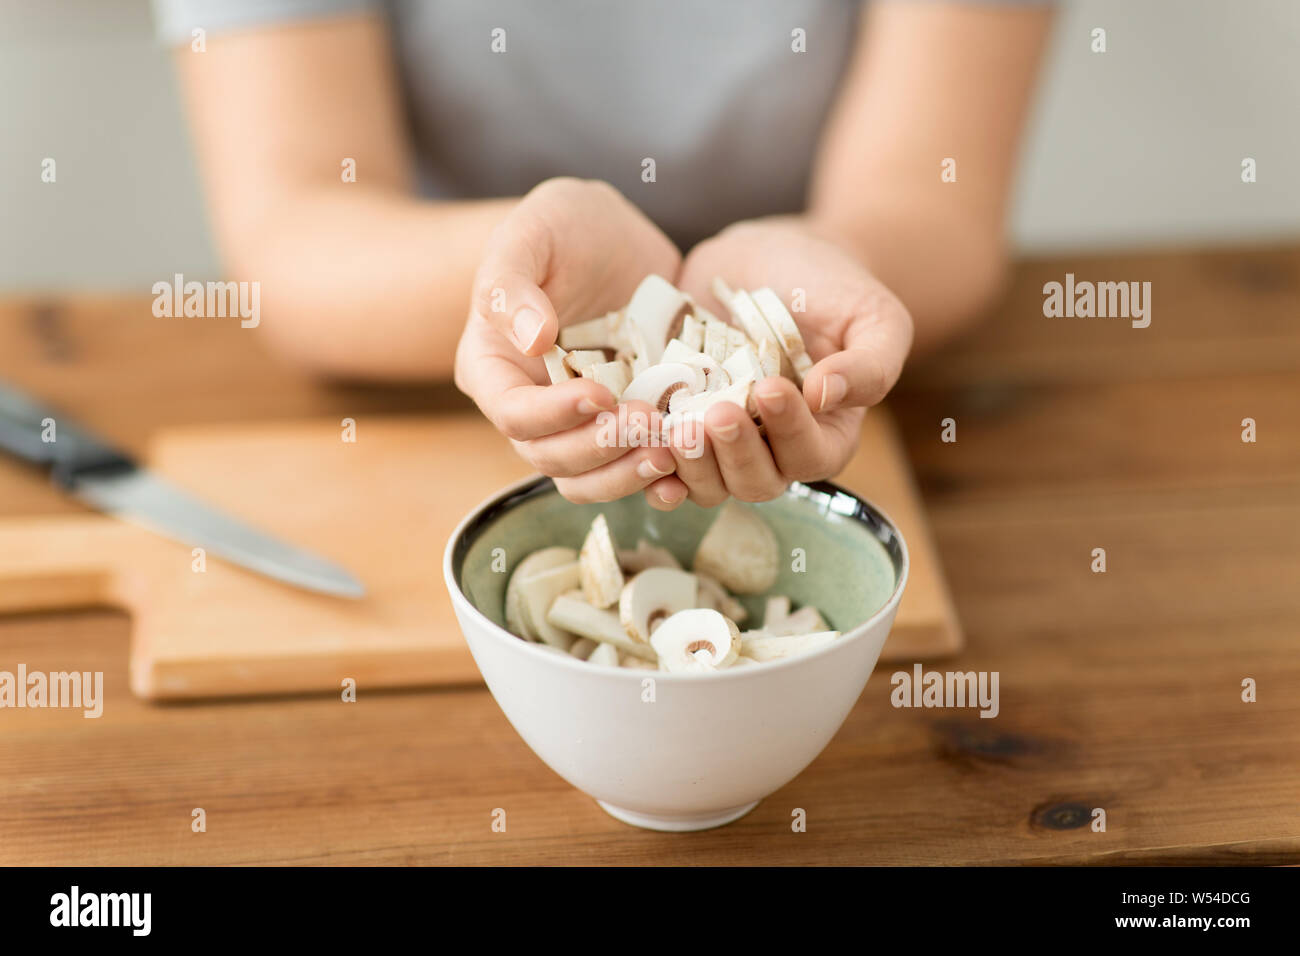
[
  {"x": 890, "y": 256},
  {"x": 357, "y": 279},
  {"x": 930, "y": 81}
]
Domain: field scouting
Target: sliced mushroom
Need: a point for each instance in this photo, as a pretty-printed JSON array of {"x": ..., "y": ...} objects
[
  {"x": 696, "y": 640},
  {"x": 769, "y": 358},
  {"x": 538, "y": 591},
  {"x": 787, "y": 332},
  {"x": 742, "y": 365},
  {"x": 555, "y": 365},
  {"x": 658, "y": 310},
  {"x": 775, "y": 610},
  {"x": 657, "y": 384},
  {"x": 750, "y": 318},
  {"x": 646, "y": 555},
  {"x": 678, "y": 351},
  {"x": 740, "y": 550},
  {"x": 743, "y": 661},
  {"x": 675, "y": 404},
  {"x": 620, "y": 330},
  {"x": 806, "y": 620},
  {"x": 736, "y": 340},
  {"x": 570, "y": 612},
  {"x": 698, "y": 405},
  {"x": 602, "y": 579},
  {"x": 767, "y": 647},
  {"x": 714, "y": 376},
  {"x": 692, "y": 334},
  {"x": 593, "y": 334},
  {"x": 703, "y": 314},
  {"x": 652, "y": 596},
  {"x": 544, "y": 560},
  {"x": 579, "y": 360},
  {"x": 682, "y": 400},
  {"x": 613, "y": 375},
  {"x": 715, "y": 340},
  {"x": 582, "y": 648},
  {"x": 714, "y": 595},
  {"x": 605, "y": 655},
  {"x": 638, "y": 663},
  {"x": 637, "y": 353},
  {"x": 684, "y": 403}
]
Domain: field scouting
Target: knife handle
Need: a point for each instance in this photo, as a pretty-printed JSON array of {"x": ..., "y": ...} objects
[{"x": 37, "y": 434}]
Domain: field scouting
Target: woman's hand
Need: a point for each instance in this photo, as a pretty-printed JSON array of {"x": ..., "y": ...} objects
[
  {"x": 570, "y": 251},
  {"x": 856, "y": 331}
]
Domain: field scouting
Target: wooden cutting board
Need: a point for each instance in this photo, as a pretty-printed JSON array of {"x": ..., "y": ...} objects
[{"x": 384, "y": 507}]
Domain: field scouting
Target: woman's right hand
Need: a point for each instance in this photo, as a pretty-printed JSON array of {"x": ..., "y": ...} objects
[{"x": 571, "y": 250}]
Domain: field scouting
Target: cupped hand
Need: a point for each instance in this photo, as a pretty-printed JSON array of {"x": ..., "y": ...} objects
[
  {"x": 856, "y": 331},
  {"x": 570, "y": 251}
]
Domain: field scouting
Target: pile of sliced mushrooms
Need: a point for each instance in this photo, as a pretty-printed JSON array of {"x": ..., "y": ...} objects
[
  {"x": 668, "y": 350},
  {"x": 639, "y": 608}
]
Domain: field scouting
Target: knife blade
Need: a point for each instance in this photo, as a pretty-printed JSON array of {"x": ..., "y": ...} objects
[{"x": 112, "y": 482}]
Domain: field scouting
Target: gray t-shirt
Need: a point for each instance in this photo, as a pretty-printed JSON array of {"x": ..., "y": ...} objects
[{"x": 713, "y": 92}]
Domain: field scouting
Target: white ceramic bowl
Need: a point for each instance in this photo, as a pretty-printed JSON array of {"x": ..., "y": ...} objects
[{"x": 668, "y": 751}]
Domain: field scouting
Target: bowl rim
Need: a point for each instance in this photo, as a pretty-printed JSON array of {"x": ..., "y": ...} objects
[{"x": 636, "y": 673}]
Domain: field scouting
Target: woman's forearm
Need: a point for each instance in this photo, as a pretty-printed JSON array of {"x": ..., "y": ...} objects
[
  {"x": 363, "y": 283},
  {"x": 916, "y": 165},
  {"x": 947, "y": 270},
  {"x": 358, "y": 276}
]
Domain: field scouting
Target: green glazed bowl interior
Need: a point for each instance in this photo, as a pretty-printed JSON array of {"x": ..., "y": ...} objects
[{"x": 838, "y": 552}]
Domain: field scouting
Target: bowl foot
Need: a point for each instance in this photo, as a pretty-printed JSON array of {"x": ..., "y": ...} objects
[{"x": 676, "y": 823}]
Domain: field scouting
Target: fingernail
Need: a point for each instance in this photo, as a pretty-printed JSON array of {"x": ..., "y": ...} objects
[
  {"x": 774, "y": 401},
  {"x": 726, "y": 432},
  {"x": 834, "y": 388},
  {"x": 685, "y": 438},
  {"x": 587, "y": 407},
  {"x": 672, "y": 499},
  {"x": 528, "y": 325},
  {"x": 649, "y": 470}
]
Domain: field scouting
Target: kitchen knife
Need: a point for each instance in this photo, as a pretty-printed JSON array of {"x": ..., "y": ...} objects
[{"x": 112, "y": 482}]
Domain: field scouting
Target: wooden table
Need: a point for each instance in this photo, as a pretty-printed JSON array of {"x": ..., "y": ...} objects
[{"x": 1119, "y": 690}]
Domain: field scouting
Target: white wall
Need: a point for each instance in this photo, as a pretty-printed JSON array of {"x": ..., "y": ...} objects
[
  {"x": 1143, "y": 144},
  {"x": 82, "y": 81},
  {"x": 1140, "y": 145}
]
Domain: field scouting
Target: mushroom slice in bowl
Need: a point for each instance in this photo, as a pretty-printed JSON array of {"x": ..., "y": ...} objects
[
  {"x": 544, "y": 560},
  {"x": 601, "y": 577},
  {"x": 739, "y": 550},
  {"x": 697, "y": 640},
  {"x": 654, "y": 595}
]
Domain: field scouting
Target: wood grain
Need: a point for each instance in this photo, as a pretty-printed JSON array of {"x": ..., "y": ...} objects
[{"x": 1119, "y": 691}]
